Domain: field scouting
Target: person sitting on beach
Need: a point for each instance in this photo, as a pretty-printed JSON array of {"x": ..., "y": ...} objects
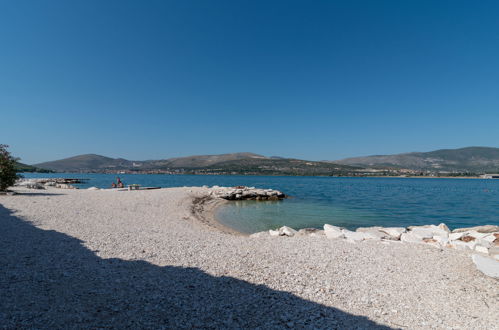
[
  {"x": 113, "y": 185},
  {"x": 119, "y": 183}
]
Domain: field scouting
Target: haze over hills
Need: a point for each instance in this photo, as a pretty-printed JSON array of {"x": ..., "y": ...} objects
[
  {"x": 234, "y": 163},
  {"x": 463, "y": 160},
  {"x": 470, "y": 159}
]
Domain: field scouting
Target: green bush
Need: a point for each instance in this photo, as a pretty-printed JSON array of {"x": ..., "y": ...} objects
[{"x": 8, "y": 174}]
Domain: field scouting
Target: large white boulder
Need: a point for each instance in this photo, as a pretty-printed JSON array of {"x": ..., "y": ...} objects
[
  {"x": 333, "y": 232},
  {"x": 444, "y": 227},
  {"x": 353, "y": 236},
  {"x": 394, "y": 232},
  {"x": 494, "y": 252},
  {"x": 273, "y": 232},
  {"x": 465, "y": 246},
  {"x": 287, "y": 231},
  {"x": 486, "y": 265},
  {"x": 481, "y": 249},
  {"x": 411, "y": 238},
  {"x": 260, "y": 234},
  {"x": 429, "y": 231},
  {"x": 456, "y": 236},
  {"x": 310, "y": 232},
  {"x": 373, "y": 233},
  {"x": 480, "y": 229}
]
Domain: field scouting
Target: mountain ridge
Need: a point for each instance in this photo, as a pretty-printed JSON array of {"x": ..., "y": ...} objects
[{"x": 468, "y": 159}]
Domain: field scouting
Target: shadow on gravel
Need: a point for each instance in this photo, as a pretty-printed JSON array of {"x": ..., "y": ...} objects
[
  {"x": 35, "y": 194},
  {"x": 50, "y": 280}
]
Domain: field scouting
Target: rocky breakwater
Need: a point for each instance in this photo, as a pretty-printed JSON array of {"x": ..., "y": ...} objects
[
  {"x": 481, "y": 242},
  {"x": 43, "y": 183},
  {"x": 246, "y": 193}
]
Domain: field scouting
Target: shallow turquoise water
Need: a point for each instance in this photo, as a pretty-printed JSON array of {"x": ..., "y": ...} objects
[{"x": 347, "y": 202}]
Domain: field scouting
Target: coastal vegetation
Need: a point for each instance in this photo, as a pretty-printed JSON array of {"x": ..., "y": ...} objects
[{"x": 8, "y": 173}]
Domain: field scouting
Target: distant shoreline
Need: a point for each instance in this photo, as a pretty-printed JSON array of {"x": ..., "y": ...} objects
[{"x": 263, "y": 175}]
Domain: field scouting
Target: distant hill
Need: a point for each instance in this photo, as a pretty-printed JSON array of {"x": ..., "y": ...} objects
[
  {"x": 470, "y": 159},
  {"x": 20, "y": 167},
  {"x": 234, "y": 163},
  {"x": 83, "y": 163},
  {"x": 205, "y": 160}
]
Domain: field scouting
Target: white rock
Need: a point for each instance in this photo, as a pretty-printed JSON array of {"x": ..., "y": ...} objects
[
  {"x": 310, "y": 232},
  {"x": 429, "y": 231},
  {"x": 394, "y": 232},
  {"x": 333, "y": 232},
  {"x": 441, "y": 240},
  {"x": 93, "y": 188},
  {"x": 444, "y": 227},
  {"x": 481, "y": 249},
  {"x": 366, "y": 229},
  {"x": 489, "y": 238},
  {"x": 353, "y": 235},
  {"x": 488, "y": 266},
  {"x": 287, "y": 231},
  {"x": 494, "y": 252},
  {"x": 475, "y": 234},
  {"x": 259, "y": 234},
  {"x": 456, "y": 236},
  {"x": 422, "y": 232},
  {"x": 273, "y": 232},
  {"x": 410, "y": 238},
  {"x": 465, "y": 246},
  {"x": 480, "y": 229}
]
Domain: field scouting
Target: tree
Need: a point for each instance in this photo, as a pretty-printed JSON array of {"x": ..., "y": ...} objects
[{"x": 8, "y": 175}]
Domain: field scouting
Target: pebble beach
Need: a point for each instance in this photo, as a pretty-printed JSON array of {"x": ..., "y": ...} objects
[{"x": 159, "y": 259}]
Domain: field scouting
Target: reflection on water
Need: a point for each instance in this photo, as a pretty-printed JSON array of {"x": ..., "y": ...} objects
[{"x": 347, "y": 202}]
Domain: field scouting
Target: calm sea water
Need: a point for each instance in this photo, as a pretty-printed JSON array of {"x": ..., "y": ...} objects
[{"x": 347, "y": 202}]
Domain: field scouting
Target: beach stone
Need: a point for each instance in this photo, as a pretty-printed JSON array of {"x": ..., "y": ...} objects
[
  {"x": 34, "y": 185},
  {"x": 259, "y": 234},
  {"x": 476, "y": 234},
  {"x": 489, "y": 238},
  {"x": 456, "y": 236},
  {"x": 93, "y": 188},
  {"x": 287, "y": 231},
  {"x": 429, "y": 231},
  {"x": 333, "y": 232},
  {"x": 486, "y": 265},
  {"x": 480, "y": 229},
  {"x": 444, "y": 227},
  {"x": 310, "y": 231},
  {"x": 411, "y": 238},
  {"x": 464, "y": 246},
  {"x": 422, "y": 232},
  {"x": 355, "y": 236},
  {"x": 441, "y": 240},
  {"x": 494, "y": 252},
  {"x": 367, "y": 229},
  {"x": 481, "y": 249},
  {"x": 394, "y": 232},
  {"x": 375, "y": 235},
  {"x": 273, "y": 232}
]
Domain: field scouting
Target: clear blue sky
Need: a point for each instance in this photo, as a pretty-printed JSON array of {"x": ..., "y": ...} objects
[{"x": 306, "y": 79}]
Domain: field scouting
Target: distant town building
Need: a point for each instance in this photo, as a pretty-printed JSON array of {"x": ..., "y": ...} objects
[{"x": 490, "y": 176}]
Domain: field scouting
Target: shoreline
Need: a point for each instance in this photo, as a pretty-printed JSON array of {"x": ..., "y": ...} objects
[
  {"x": 107, "y": 258},
  {"x": 204, "y": 210}
]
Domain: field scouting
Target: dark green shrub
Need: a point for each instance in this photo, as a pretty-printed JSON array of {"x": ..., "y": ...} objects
[{"x": 8, "y": 175}]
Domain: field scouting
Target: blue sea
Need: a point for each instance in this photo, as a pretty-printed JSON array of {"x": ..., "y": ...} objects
[{"x": 346, "y": 202}]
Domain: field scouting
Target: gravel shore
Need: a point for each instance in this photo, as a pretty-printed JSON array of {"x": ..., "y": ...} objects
[{"x": 156, "y": 259}]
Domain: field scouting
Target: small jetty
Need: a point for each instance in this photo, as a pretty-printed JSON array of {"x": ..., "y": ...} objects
[
  {"x": 41, "y": 183},
  {"x": 247, "y": 193}
]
